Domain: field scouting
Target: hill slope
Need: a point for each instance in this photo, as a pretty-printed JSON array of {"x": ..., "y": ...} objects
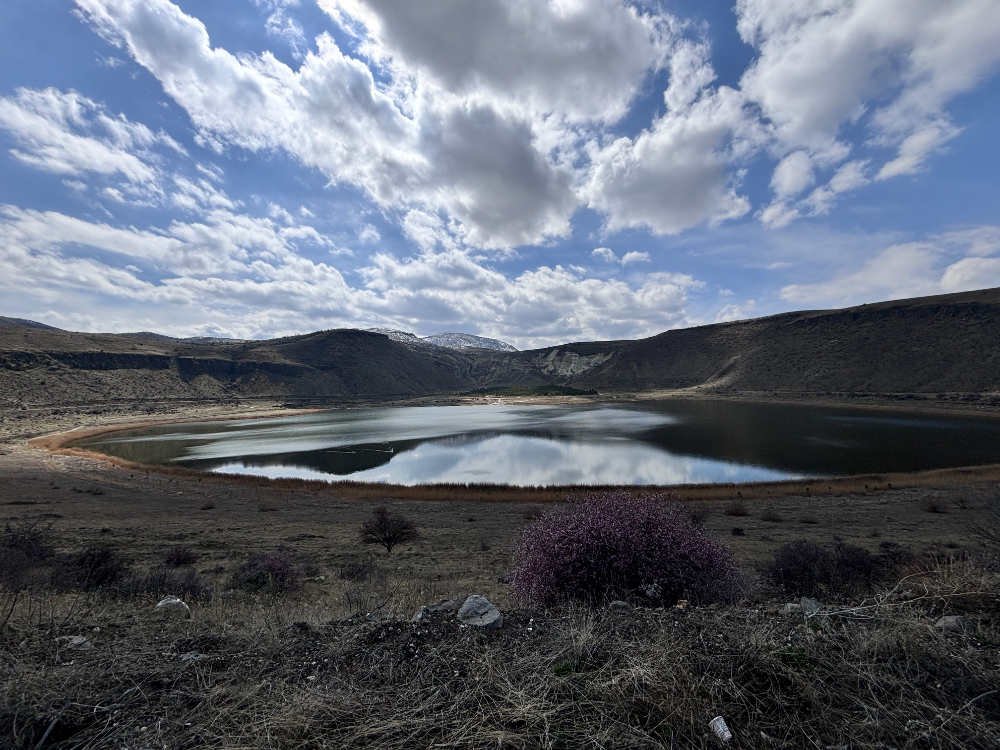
[
  {"x": 943, "y": 344},
  {"x": 932, "y": 344}
]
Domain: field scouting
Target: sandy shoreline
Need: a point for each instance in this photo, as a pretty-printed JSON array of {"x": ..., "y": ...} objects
[{"x": 59, "y": 442}]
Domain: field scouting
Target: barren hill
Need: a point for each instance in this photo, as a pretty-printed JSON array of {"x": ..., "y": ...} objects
[
  {"x": 947, "y": 343},
  {"x": 942, "y": 344}
]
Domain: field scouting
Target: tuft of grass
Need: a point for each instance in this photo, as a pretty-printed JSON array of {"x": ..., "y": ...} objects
[
  {"x": 94, "y": 568},
  {"x": 736, "y": 508},
  {"x": 276, "y": 573},
  {"x": 178, "y": 556},
  {"x": 935, "y": 505}
]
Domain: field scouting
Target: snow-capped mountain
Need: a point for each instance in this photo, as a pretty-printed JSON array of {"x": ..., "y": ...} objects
[
  {"x": 447, "y": 340},
  {"x": 460, "y": 340}
]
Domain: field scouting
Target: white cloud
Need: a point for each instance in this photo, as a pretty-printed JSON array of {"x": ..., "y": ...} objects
[
  {"x": 283, "y": 26},
  {"x": 778, "y": 214},
  {"x": 675, "y": 175},
  {"x": 736, "y": 311},
  {"x": 368, "y": 234},
  {"x": 634, "y": 256},
  {"x": 848, "y": 177},
  {"x": 822, "y": 65},
  {"x": 914, "y": 149},
  {"x": 66, "y": 133},
  {"x": 246, "y": 275},
  {"x": 793, "y": 175},
  {"x": 951, "y": 262},
  {"x": 583, "y": 59},
  {"x": 480, "y": 164}
]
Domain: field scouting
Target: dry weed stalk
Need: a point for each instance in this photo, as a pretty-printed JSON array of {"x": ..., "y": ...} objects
[{"x": 288, "y": 673}]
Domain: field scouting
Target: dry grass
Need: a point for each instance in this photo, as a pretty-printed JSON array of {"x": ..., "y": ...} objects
[
  {"x": 292, "y": 673},
  {"x": 772, "y": 515}
]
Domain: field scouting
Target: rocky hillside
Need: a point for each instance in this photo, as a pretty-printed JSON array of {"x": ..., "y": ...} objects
[
  {"x": 943, "y": 344},
  {"x": 463, "y": 340},
  {"x": 948, "y": 343}
]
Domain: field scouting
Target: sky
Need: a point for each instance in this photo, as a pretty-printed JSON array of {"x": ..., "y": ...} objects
[{"x": 538, "y": 171}]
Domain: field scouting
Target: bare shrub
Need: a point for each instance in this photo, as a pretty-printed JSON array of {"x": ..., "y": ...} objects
[
  {"x": 803, "y": 568},
  {"x": 178, "y": 556},
  {"x": 809, "y": 519},
  {"x": 357, "y": 571},
  {"x": 23, "y": 547},
  {"x": 698, "y": 516},
  {"x": 92, "y": 569},
  {"x": 935, "y": 505},
  {"x": 736, "y": 508},
  {"x": 613, "y": 545},
  {"x": 387, "y": 529},
  {"x": 160, "y": 581},
  {"x": 275, "y": 573},
  {"x": 772, "y": 515}
]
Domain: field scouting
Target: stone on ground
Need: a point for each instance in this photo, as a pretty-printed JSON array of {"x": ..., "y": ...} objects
[
  {"x": 479, "y": 612},
  {"x": 174, "y": 607}
]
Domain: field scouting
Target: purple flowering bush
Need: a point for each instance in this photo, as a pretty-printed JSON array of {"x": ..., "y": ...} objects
[{"x": 615, "y": 546}]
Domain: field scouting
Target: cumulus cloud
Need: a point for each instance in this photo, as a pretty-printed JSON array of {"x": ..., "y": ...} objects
[
  {"x": 605, "y": 253},
  {"x": 66, "y": 133},
  {"x": 891, "y": 65},
  {"x": 793, "y": 175},
  {"x": 480, "y": 164},
  {"x": 247, "y": 275},
  {"x": 676, "y": 174},
  {"x": 634, "y": 256},
  {"x": 951, "y": 262},
  {"x": 584, "y": 60}
]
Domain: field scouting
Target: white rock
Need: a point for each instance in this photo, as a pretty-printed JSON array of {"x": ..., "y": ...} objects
[
  {"x": 954, "y": 624},
  {"x": 479, "y": 612},
  {"x": 810, "y": 606},
  {"x": 174, "y": 607},
  {"x": 74, "y": 641}
]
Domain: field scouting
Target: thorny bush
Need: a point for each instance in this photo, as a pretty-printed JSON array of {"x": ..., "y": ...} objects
[
  {"x": 612, "y": 545},
  {"x": 804, "y": 568},
  {"x": 275, "y": 573},
  {"x": 92, "y": 569}
]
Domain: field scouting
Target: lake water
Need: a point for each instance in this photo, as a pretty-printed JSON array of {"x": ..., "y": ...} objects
[{"x": 663, "y": 442}]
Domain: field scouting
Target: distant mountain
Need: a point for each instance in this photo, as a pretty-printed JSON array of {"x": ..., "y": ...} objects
[
  {"x": 400, "y": 337},
  {"x": 945, "y": 347},
  {"x": 447, "y": 340},
  {"x": 461, "y": 340},
  {"x": 22, "y": 323}
]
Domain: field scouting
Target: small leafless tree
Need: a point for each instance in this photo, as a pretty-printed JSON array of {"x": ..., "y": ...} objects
[{"x": 388, "y": 529}]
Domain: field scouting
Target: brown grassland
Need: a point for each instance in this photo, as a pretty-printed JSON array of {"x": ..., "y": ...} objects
[{"x": 337, "y": 664}]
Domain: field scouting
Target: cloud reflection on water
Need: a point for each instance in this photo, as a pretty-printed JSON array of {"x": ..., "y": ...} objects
[{"x": 532, "y": 461}]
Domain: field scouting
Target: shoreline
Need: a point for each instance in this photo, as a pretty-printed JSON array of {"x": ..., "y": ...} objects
[{"x": 59, "y": 443}]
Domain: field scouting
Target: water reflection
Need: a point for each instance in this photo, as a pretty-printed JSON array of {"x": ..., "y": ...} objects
[{"x": 668, "y": 442}]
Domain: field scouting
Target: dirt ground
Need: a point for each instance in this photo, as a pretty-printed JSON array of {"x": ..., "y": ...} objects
[{"x": 466, "y": 543}]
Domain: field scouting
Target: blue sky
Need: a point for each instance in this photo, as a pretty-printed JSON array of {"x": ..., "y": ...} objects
[{"x": 536, "y": 171}]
